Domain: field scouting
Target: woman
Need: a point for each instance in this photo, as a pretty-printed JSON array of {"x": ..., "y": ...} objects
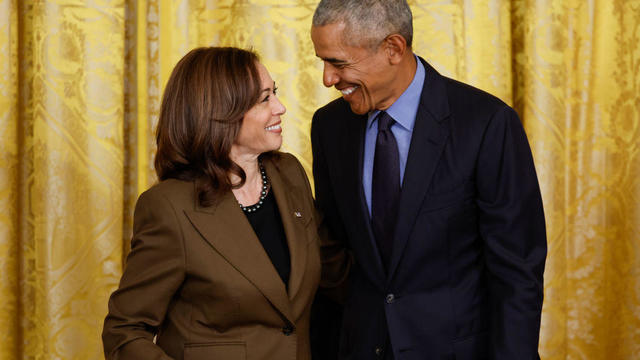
[{"x": 224, "y": 258}]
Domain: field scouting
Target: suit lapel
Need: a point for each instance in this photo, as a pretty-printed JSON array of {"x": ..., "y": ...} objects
[
  {"x": 225, "y": 227},
  {"x": 430, "y": 133},
  {"x": 289, "y": 198},
  {"x": 350, "y": 157}
]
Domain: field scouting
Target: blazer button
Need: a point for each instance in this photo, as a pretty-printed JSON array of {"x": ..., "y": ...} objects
[
  {"x": 287, "y": 330},
  {"x": 390, "y": 298},
  {"x": 378, "y": 351}
]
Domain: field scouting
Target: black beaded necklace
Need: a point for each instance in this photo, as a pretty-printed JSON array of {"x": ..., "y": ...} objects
[{"x": 263, "y": 193}]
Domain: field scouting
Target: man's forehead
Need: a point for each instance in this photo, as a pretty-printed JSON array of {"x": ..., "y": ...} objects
[
  {"x": 327, "y": 35},
  {"x": 331, "y": 47}
]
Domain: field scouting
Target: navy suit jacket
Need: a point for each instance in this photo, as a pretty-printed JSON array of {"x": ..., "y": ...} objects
[{"x": 466, "y": 274}]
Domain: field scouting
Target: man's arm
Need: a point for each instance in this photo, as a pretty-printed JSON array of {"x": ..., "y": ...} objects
[
  {"x": 511, "y": 223},
  {"x": 326, "y": 313}
]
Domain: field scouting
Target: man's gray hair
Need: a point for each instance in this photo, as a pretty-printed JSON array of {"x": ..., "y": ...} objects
[{"x": 367, "y": 22}]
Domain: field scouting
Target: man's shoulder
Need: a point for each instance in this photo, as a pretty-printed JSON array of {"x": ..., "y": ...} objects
[
  {"x": 333, "y": 110},
  {"x": 331, "y": 118},
  {"x": 460, "y": 96},
  {"x": 465, "y": 96}
]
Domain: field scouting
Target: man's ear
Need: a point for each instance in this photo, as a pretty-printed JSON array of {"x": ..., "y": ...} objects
[{"x": 395, "y": 46}]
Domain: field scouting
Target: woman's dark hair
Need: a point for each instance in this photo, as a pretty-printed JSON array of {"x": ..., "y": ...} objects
[{"x": 203, "y": 105}]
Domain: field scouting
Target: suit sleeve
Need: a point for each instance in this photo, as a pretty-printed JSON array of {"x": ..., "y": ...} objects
[
  {"x": 154, "y": 270},
  {"x": 336, "y": 260},
  {"x": 511, "y": 223},
  {"x": 326, "y": 312}
]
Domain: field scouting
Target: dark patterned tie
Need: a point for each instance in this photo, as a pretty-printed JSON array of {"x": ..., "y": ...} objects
[{"x": 385, "y": 187}]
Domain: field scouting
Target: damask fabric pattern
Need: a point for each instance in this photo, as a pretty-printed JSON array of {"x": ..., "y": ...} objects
[
  {"x": 578, "y": 90},
  {"x": 80, "y": 87}
]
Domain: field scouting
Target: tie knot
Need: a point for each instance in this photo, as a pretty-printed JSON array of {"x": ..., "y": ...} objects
[{"x": 385, "y": 121}]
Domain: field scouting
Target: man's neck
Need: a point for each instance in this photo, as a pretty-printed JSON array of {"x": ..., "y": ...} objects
[{"x": 406, "y": 72}]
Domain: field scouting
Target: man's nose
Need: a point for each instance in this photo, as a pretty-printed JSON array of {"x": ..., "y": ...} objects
[{"x": 329, "y": 75}]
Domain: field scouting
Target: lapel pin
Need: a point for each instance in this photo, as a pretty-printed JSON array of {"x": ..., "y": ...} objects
[{"x": 297, "y": 214}]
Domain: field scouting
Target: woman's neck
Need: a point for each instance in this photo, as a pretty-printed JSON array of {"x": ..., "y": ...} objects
[{"x": 249, "y": 192}]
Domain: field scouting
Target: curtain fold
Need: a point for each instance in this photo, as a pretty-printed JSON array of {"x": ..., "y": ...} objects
[
  {"x": 68, "y": 126},
  {"x": 9, "y": 179},
  {"x": 577, "y": 65},
  {"x": 80, "y": 88}
]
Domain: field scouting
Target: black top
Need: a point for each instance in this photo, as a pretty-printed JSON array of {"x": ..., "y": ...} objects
[{"x": 267, "y": 225}]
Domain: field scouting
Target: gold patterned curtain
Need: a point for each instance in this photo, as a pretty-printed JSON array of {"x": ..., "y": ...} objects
[{"x": 80, "y": 84}]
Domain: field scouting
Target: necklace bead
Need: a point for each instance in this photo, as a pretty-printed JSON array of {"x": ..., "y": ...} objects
[{"x": 263, "y": 193}]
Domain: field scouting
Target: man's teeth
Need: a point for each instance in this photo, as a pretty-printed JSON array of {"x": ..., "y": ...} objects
[
  {"x": 349, "y": 90},
  {"x": 272, "y": 127}
]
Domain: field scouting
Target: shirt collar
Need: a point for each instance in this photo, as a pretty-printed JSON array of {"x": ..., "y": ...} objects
[{"x": 405, "y": 108}]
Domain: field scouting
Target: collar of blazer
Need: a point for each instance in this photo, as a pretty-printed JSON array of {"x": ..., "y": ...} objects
[{"x": 225, "y": 227}]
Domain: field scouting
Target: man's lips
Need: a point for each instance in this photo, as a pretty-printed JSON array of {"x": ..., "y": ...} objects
[{"x": 349, "y": 90}]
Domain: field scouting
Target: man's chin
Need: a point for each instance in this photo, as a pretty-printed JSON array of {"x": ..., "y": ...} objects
[{"x": 357, "y": 108}]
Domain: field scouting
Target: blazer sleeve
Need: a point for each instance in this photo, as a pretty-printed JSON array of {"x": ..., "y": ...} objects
[
  {"x": 511, "y": 223},
  {"x": 154, "y": 270}
]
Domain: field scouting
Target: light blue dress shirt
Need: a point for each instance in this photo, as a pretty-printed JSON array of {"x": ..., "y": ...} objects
[{"x": 403, "y": 111}]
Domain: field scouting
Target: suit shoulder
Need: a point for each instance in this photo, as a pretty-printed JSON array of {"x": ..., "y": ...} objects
[
  {"x": 465, "y": 96},
  {"x": 329, "y": 120},
  {"x": 473, "y": 110},
  {"x": 337, "y": 106},
  {"x": 331, "y": 112}
]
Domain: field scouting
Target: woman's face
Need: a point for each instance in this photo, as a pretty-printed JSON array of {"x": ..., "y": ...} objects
[{"x": 260, "y": 131}]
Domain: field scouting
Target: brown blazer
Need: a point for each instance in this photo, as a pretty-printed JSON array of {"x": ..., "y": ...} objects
[{"x": 200, "y": 280}]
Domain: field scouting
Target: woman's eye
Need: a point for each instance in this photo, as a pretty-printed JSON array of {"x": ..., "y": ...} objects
[
  {"x": 266, "y": 99},
  {"x": 275, "y": 91}
]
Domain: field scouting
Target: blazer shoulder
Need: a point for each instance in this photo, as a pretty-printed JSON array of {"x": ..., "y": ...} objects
[
  {"x": 285, "y": 159},
  {"x": 179, "y": 193},
  {"x": 289, "y": 165}
]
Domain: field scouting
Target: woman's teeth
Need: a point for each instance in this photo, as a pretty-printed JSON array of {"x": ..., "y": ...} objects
[
  {"x": 349, "y": 90},
  {"x": 272, "y": 127}
]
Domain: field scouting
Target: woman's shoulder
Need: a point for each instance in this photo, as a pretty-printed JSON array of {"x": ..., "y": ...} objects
[
  {"x": 291, "y": 169},
  {"x": 285, "y": 160},
  {"x": 179, "y": 193},
  {"x": 288, "y": 164}
]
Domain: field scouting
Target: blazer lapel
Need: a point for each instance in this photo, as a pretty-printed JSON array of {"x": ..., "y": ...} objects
[
  {"x": 350, "y": 157},
  {"x": 289, "y": 198},
  {"x": 430, "y": 134},
  {"x": 225, "y": 227}
]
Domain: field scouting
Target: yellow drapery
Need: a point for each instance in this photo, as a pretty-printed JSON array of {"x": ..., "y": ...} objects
[{"x": 80, "y": 83}]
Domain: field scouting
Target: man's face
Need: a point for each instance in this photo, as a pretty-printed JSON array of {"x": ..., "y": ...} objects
[{"x": 364, "y": 76}]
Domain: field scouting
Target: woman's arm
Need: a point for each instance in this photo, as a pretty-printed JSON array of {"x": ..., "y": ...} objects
[{"x": 154, "y": 270}]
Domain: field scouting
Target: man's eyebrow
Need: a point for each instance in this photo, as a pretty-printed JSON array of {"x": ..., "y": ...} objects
[{"x": 332, "y": 60}]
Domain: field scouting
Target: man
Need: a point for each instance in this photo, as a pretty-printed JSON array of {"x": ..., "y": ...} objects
[{"x": 430, "y": 183}]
